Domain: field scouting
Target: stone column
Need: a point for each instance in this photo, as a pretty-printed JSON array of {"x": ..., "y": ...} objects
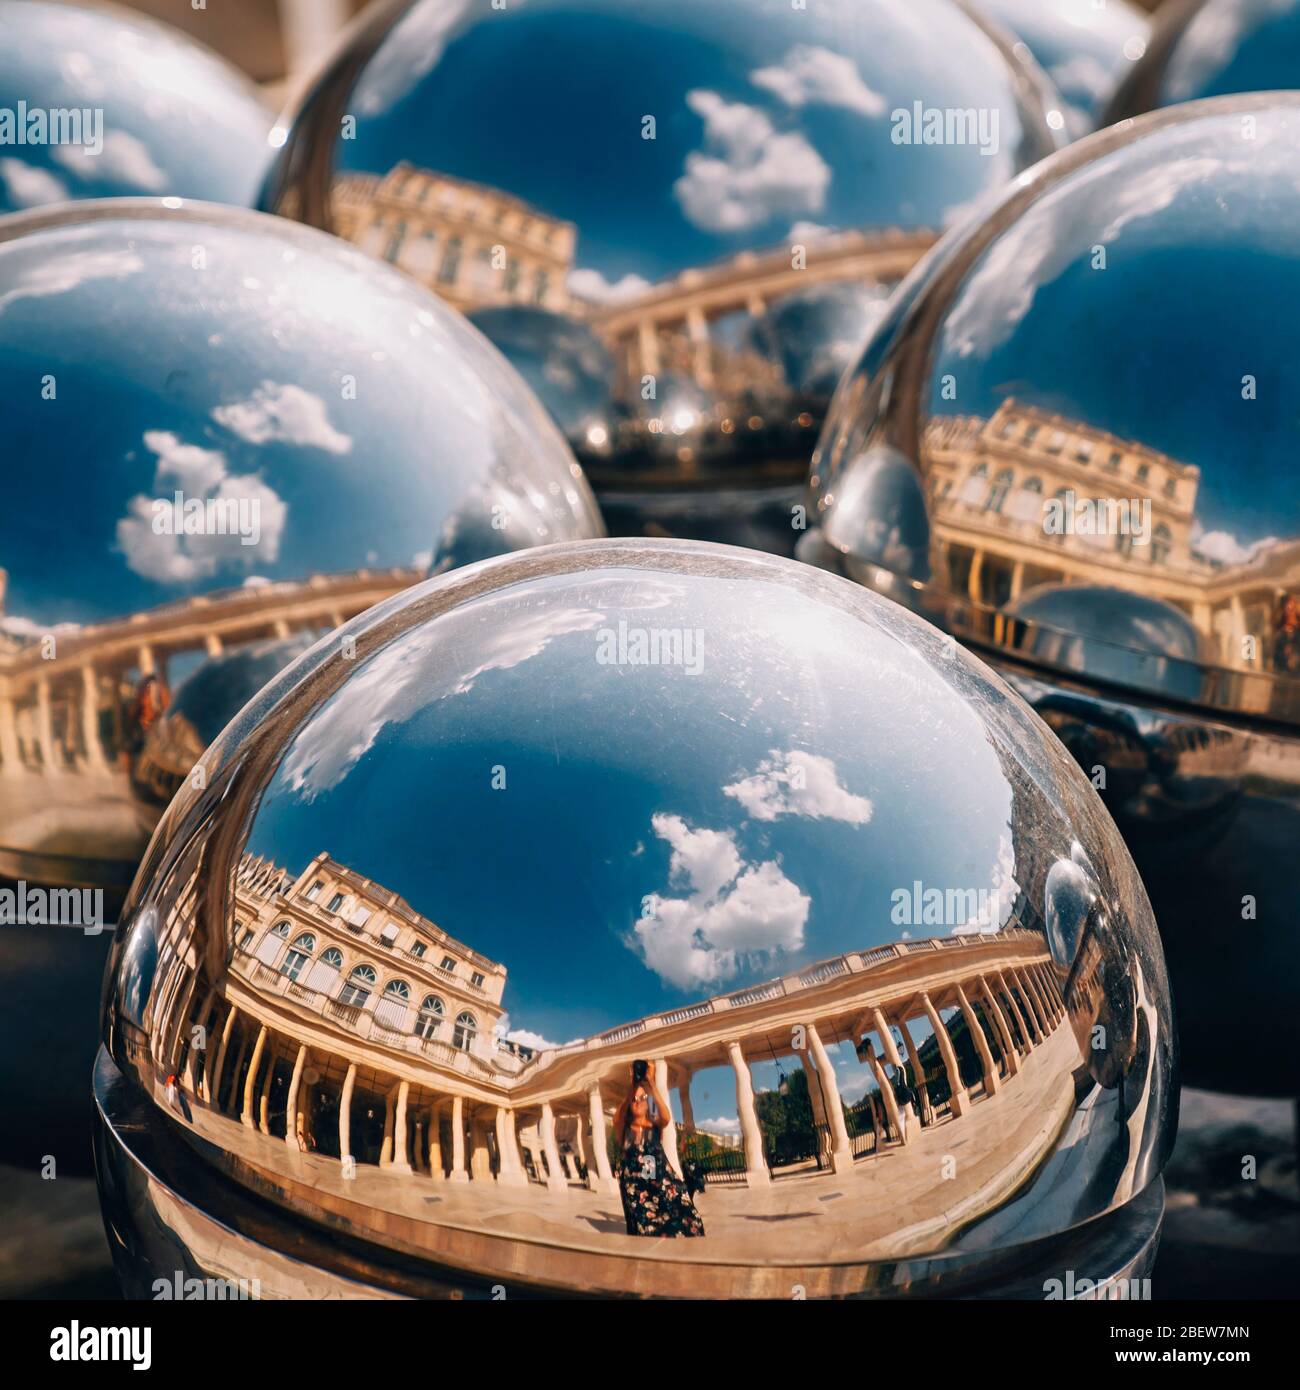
[
  {"x": 959, "y": 1100},
  {"x": 458, "y": 1173},
  {"x": 887, "y": 1095},
  {"x": 144, "y": 660},
  {"x": 212, "y": 644},
  {"x": 1004, "y": 1028},
  {"x": 247, "y": 1116},
  {"x": 435, "y": 1142},
  {"x": 905, "y": 1113},
  {"x": 841, "y": 1149},
  {"x": 648, "y": 347},
  {"x": 667, "y": 1135},
  {"x": 386, "y": 1146},
  {"x": 755, "y": 1163},
  {"x": 90, "y": 717},
  {"x": 291, "y": 1100},
  {"x": 51, "y": 762},
  {"x": 697, "y": 330},
  {"x": 10, "y": 754},
  {"x": 814, "y": 1090},
  {"x": 1050, "y": 993},
  {"x": 1028, "y": 1036},
  {"x": 512, "y": 1168},
  {"x": 602, "y": 1175},
  {"x": 1035, "y": 993},
  {"x": 264, "y": 1105},
  {"x": 345, "y": 1113},
  {"x": 918, "y": 1071},
  {"x": 992, "y": 1081},
  {"x": 555, "y": 1178},
  {"x": 684, "y": 1100},
  {"x": 401, "y": 1159},
  {"x": 212, "y": 1084}
]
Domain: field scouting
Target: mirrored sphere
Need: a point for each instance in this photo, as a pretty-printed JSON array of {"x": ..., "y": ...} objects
[
  {"x": 220, "y": 429},
  {"x": 1085, "y": 47},
  {"x": 100, "y": 103},
  {"x": 1209, "y": 48},
  {"x": 679, "y": 220},
  {"x": 615, "y": 803},
  {"x": 1093, "y": 393}
]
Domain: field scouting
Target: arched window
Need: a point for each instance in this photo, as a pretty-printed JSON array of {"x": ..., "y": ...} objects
[
  {"x": 429, "y": 1017},
  {"x": 1061, "y": 516},
  {"x": 1161, "y": 542},
  {"x": 998, "y": 492},
  {"x": 298, "y": 955},
  {"x": 399, "y": 989},
  {"x": 973, "y": 487},
  {"x": 1028, "y": 505},
  {"x": 393, "y": 1010},
  {"x": 333, "y": 958},
  {"x": 281, "y": 929},
  {"x": 465, "y": 1032},
  {"x": 357, "y": 989}
]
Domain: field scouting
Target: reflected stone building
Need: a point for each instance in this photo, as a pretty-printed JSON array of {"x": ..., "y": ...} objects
[
  {"x": 350, "y": 1028},
  {"x": 472, "y": 244},
  {"x": 992, "y": 480}
]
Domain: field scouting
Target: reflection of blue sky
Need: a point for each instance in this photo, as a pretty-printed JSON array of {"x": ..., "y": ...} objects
[
  {"x": 766, "y": 117},
  {"x": 176, "y": 119},
  {"x": 245, "y": 398},
  {"x": 1234, "y": 46},
  {"x": 1200, "y": 229},
  {"x": 662, "y": 837}
]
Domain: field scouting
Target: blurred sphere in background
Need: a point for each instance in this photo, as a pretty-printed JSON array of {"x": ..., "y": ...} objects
[
  {"x": 228, "y": 429},
  {"x": 1074, "y": 445},
  {"x": 1086, "y": 47},
  {"x": 621, "y": 801},
  {"x": 1209, "y": 48},
  {"x": 105, "y": 104},
  {"x": 680, "y": 220}
]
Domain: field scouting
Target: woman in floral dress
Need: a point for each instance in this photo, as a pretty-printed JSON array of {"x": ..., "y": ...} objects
[{"x": 655, "y": 1199}]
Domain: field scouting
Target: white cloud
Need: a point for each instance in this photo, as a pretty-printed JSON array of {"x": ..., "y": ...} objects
[
  {"x": 1224, "y": 547},
  {"x": 30, "y": 187},
  {"x": 812, "y": 76},
  {"x": 734, "y": 912},
  {"x": 724, "y": 1124},
  {"x": 749, "y": 171},
  {"x": 801, "y": 233},
  {"x": 198, "y": 474},
  {"x": 123, "y": 159},
  {"x": 283, "y": 413},
  {"x": 67, "y": 272},
  {"x": 796, "y": 783},
  {"x": 592, "y": 286}
]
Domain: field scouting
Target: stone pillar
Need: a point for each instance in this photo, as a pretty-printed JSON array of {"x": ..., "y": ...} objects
[
  {"x": 755, "y": 1163},
  {"x": 815, "y": 1099},
  {"x": 601, "y": 1175},
  {"x": 264, "y": 1105},
  {"x": 1045, "y": 979},
  {"x": 841, "y": 1149},
  {"x": 90, "y": 717},
  {"x": 667, "y": 1135},
  {"x": 648, "y": 347},
  {"x": 212, "y": 1082},
  {"x": 458, "y": 1172},
  {"x": 555, "y": 1179},
  {"x": 144, "y": 660},
  {"x": 345, "y": 1113},
  {"x": 697, "y": 329},
  {"x": 959, "y": 1101},
  {"x": 992, "y": 1081},
  {"x": 1004, "y": 1028},
  {"x": 976, "y": 569},
  {"x": 1033, "y": 992},
  {"x": 191, "y": 1079},
  {"x": 386, "y": 1147},
  {"x": 918, "y": 1072},
  {"x": 212, "y": 644},
  {"x": 51, "y": 762},
  {"x": 291, "y": 1100},
  {"x": 10, "y": 754},
  {"x": 435, "y": 1142},
  {"x": 512, "y": 1168},
  {"x": 1029, "y": 1036},
  {"x": 401, "y": 1158},
  {"x": 905, "y": 1113},
  {"x": 892, "y": 1112},
  {"x": 1017, "y": 579},
  {"x": 247, "y": 1116},
  {"x": 684, "y": 1100}
]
